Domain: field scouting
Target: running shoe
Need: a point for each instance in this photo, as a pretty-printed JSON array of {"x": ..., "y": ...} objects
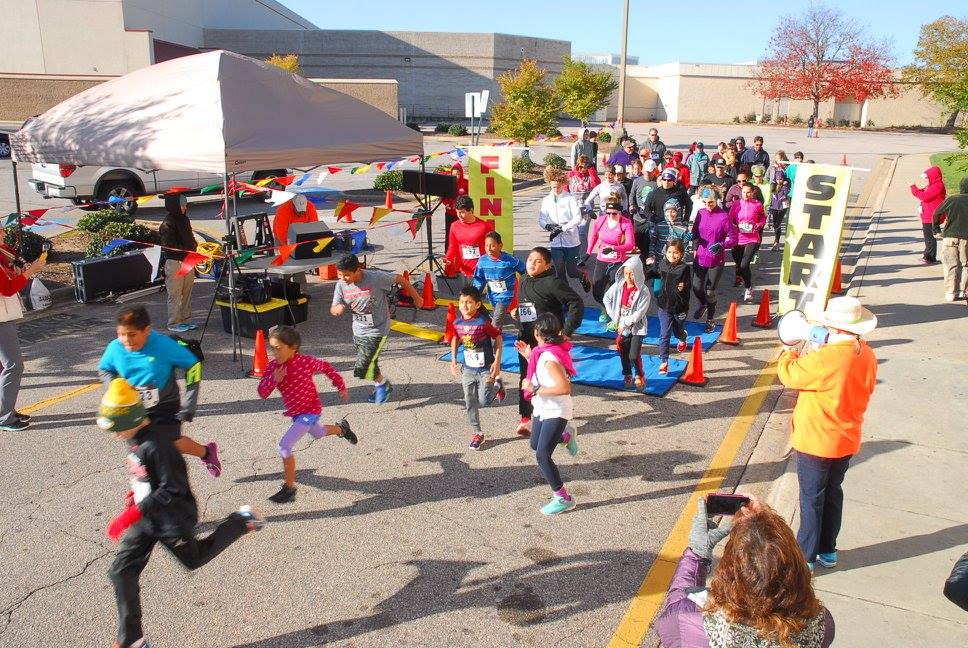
[
  {"x": 253, "y": 517},
  {"x": 500, "y": 392},
  {"x": 682, "y": 346},
  {"x": 664, "y": 368},
  {"x": 572, "y": 443},
  {"x": 924, "y": 261},
  {"x": 16, "y": 426},
  {"x": 23, "y": 417},
  {"x": 190, "y": 326},
  {"x": 477, "y": 442},
  {"x": 748, "y": 295},
  {"x": 211, "y": 461},
  {"x": 775, "y": 247},
  {"x": 558, "y": 505},
  {"x": 347, "y": 432},
  {"x": 179, "y": 328},
  {"x": 382, "y": 392},
  {"x": 627, "y": 381},
  {"x": 639, "y": 383},
  {"x": 524, "y": 427},
  {"x": 603, "y": 317},
  {"x": 699, "y": 311},
  {"x": 827, "y": 560},
  {"x": 710, "y": 326},
  {"x": 285, "y": 495}
]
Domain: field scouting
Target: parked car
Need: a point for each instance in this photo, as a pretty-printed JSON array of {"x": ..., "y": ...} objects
[
  {"x": 4, "y": 145},
  {"x": 82, "y": 184}
]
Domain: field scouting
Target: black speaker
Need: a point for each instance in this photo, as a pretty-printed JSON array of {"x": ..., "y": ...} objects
[
  {"x": 434, "y": 184},
  {"x": 100, "y": 276},
  {"x": 299, "y": 232}
]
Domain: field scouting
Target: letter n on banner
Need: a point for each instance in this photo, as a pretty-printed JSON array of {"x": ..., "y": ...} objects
[
  {"x": 490, "y": 186},
  {"x": 814, "y": 228}
]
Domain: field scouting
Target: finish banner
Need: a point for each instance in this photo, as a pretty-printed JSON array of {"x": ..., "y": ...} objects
[
  {"x": 490, "y": 186},
  {"x": 814, "y": 227}
]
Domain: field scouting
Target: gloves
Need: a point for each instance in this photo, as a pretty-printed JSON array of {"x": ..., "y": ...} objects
[
  {"x": 551, "y": 227},
  {"x": 715, "y": 248},
  {"x": 608, "y": 250},
  {"x": 555, "y": 233},
  {"x": 125, "y": 519},
  {"x": 705, "y": 534}
]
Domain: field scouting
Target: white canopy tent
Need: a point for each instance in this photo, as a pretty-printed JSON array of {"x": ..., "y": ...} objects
[{"x": 217, "y": 112}]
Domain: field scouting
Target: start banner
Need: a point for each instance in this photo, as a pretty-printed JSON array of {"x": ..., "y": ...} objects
[
  {"x": 490, "y": 186},
  {"x": 814, "y": 227}
]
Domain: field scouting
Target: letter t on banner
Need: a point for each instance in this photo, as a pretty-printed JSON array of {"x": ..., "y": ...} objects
[{"x": 490, "y": 186}]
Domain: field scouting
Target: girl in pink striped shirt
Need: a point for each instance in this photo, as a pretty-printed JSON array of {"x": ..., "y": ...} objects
[{"x": 292, "y": 373}]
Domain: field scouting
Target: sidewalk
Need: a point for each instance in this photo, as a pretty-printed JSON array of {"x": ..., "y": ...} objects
[{"x": 905, "y": 520}]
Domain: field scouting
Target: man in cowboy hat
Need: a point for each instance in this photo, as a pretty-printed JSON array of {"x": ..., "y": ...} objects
[{"x": 835, "y": 381}]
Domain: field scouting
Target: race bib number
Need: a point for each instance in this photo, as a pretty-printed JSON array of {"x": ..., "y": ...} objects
[
  {"x": 474, "y": 358},
  {"x": 363, "y": 318},
  {"x": 497, "y": 286},
  {"x": 526, "y": 312},
  {"x": 470, "y": 252},
  {"x": 624, "y": 311},
  {"x": 149, "y": 396},
  {"x": 746, "y": 227}
]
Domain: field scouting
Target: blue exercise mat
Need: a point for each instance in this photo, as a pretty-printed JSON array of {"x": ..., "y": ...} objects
[
  {"x": 598, "y": 367},
  {"x": 591, "y": 327}
]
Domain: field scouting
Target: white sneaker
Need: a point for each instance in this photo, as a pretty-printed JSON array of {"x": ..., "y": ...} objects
[
  {"x": 960, "y": 295},
  {"x": 949, "y": 297},
  {"x": 748, "y": 295}
]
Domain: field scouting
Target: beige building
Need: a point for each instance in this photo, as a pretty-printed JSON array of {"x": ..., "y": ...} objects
[{"x": 711, "y": 93}]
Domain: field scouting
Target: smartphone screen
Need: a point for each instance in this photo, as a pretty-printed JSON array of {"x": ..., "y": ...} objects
[{"x": 725, "y": 503}]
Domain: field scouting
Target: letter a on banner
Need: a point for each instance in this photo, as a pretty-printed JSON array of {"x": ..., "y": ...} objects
[
  {"x": 489, "y": 184},
  {"x": 814, "y": 228}
]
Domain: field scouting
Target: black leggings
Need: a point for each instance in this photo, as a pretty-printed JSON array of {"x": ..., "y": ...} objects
[
  {"x": 746, "y": 254},
  {"x": 629, "y": 351},
  {"x": 545, "y": 437},
  {"x": 704, "y": 284},
  {"x": 777, "y": 216},
  {"x": 603, "y": 279}
]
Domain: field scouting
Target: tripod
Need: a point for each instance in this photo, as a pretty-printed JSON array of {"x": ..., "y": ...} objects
[{"x": 426, "y": 210}]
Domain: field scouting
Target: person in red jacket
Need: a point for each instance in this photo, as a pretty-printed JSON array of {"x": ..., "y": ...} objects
[
  {"x": 465, "y": 244},
  {"x": 931, "y": 196},
  {"x": 450, "y": 212},
  {"x": 12, "y": 281},
  {"x": 681, "y": 168}
]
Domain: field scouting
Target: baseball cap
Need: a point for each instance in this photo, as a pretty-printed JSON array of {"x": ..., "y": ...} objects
[{"x": 670, "y": 174}]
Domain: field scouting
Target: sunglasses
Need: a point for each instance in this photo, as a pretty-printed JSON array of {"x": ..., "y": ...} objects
[{"x": 612, "y": 212}]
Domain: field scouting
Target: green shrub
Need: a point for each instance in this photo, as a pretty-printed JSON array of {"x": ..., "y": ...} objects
[
  {"x": 855, "y": 123},
  {"x": 555, "y": 161},
  {"x": 870, "y": 123},
  {"x": 95, "y": 221},
  {"x": 457, "y": 129},
  {"x": 749, "y": 118},
  {"x": 441, "y": 127},
  {"x": 736, "y": 119},
  {"x": 843, "y": 123},
  {"x": 130, "y": 231},
  {"x": 604, "y": 136},
  {"x": 796, "y": 120},
  {"x": 389, "y": 181},
  {"x": 522, "y": 164},
  {"x": 27, "y": 244},
  {"x": 766, "y": 119}
]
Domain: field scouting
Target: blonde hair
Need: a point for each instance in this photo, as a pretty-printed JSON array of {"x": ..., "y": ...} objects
[{"x": 551, "y": 174}]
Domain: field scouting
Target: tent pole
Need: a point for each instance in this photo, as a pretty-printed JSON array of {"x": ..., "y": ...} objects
[
  {"x": 229, "y": 245},
  {"x": 16, "y": 185}
]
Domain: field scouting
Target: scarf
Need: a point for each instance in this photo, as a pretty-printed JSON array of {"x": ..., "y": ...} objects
[{"x": 561, "y": 352}]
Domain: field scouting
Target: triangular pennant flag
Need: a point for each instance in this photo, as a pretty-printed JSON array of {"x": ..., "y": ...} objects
[
  {"x": 191, "y": 260},
  {"x": 153, "y": 254},
  {"x": 260, "y": 183},
  {"x": 414, "y": 158},
  {"x": 12, "y": 219},
  {"x": 284, "y": 252},
  {"x": 322, "y": 176},
  {"x": 412, "y": 226},
  {"x": 458, "y": 153},
  {"x": 116, "y": 200},
  {"x": 218, "y": 185},
  {"x": 361, "y": 170},
  {"x": 333, "y": 169},
  {"x": 301, "y": 180},
  {"x": 322, "y": 243},
  {"x": 244, "y": 257},
  {"x": 379, "y": 165},
  {"x": 37, "y": 213},
  {"x": 279, "y": 197},
  {"x": 250, "y": 188},
  {"x": 113, "y": 245},
  {"x": 378, "y": 213},
  {"x": 345, "y": 208},
  {"x": 285, "y": 181},
  {"x": 143, "y": 199}
]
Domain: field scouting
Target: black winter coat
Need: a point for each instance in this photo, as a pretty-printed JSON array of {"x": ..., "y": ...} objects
[
  {"x": 671, "y": 299},
  {"x": 159, "y": 479},
  {"x": 549, "y": 294},
  {"x": 655, "y": 203}
]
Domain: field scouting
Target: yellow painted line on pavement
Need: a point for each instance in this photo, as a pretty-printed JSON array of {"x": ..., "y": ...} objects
[
  {"x": 648, "y": 600},
  {"x": 416, "y": 331},
  {"x": 60, "y": 398}
]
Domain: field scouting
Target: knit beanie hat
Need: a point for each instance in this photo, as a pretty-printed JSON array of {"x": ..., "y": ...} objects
[{"x": 121, "y": 407}]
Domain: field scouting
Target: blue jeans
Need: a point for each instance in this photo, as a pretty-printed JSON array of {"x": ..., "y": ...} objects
[
  {"x": 669, "y": 324},
  {"x": 821, "y": 503},
  {"x": 565, "y": 260}
]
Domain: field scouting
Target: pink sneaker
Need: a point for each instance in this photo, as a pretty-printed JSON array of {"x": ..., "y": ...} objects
[
  {"x": 681, "y": 346},
  {"x": 212, "y": 462}
]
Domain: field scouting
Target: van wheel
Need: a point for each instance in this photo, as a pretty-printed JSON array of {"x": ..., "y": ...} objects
[{"x": 121, "y": 189}]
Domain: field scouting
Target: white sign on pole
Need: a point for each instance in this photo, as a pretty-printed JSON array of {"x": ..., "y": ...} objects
[
  {"x": 475, "y": 103},
  {"x": 481, "y": 107}
]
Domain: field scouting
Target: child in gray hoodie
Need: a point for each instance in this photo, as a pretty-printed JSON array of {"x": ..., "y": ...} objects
[{"x": 627, "y": 304}]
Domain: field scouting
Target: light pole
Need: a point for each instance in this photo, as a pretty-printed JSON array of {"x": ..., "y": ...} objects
[{"x": 621, "y": 74}]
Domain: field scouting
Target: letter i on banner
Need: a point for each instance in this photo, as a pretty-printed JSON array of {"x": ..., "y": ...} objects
[
  {"x": 490, "y": 186},
  {"x": 814, "y": 228}
]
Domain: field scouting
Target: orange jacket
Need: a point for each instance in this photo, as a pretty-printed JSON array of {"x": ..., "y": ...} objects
[
  {"x": 286, "y": 214},
  {"x": 835, "y": 382}
]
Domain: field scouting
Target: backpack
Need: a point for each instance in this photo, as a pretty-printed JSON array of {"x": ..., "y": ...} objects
[{"x": 195, "y": 346}]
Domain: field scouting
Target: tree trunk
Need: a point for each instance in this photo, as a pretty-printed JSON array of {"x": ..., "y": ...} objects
[
  {"x": 816, "y": 107},
  {"x": 952, "y": 119}
]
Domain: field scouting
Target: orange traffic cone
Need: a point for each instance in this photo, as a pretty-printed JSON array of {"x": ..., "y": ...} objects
[
  {"x": 328, "y": 271},
  {"x": 835, "y": 287},
  {"x": 429, "y": 301},
  {"x": 259, "y": 356},
  {"x": 763, "y": 317},
  {"x": 449, "y": 330},
  {"x": 730, "y": 334},
  {"x": 389, "y": 201},
  {"x": 843, "y": 160},
  {"x": 694, "y": 374}
]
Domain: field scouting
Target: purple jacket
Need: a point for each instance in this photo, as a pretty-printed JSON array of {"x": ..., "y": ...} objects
[
  {"x": 680, "y": 624},
  {"x": 712, "y": 227}
]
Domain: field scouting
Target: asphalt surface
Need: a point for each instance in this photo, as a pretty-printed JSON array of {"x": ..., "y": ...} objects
[{"x": 406, "y": 539}]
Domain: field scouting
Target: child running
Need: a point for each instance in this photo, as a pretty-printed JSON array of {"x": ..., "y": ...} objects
[
  {"x": 147, "y": 360},
  {"x": 549, "y": 383},
  {"x": 292, "y": 373},
  {"x": 160, "y": 507},
  {"x": 627, "y": 304},
  {"x": 498, "y": 271},
  {"x": 676, "y": 280},
  {"x": 365, "y": 293},
  {"x": 481, "y": 373}
]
